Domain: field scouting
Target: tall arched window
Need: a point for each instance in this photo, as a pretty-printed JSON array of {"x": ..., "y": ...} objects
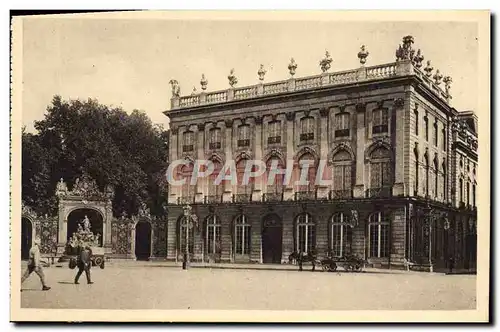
[
  {"x": 188, "y": 190},
  {"x": 181, "y": 239},
  {"x": 276, "y": 187},
  {"x": 461, "y": 190},
  {"x": 308, "y": 186},
  {"x": 340, "y": 235},
  {"x": 188, "y": 141},
  {"x": 443, "y": 181},
  {"x": 215, "y": 190},
  {"x": 426, "y": 174},
  {"x": 307, "y": 128},
  {"x": 342, "y": 175},
  {"x": 242, "y": 188},
  {"x": 241, "y": 235},
  {"x": 305, "y": 239},
  {"x": 436, "y": 177},
  {"x": 380, "y": 171},
  {"x": 378, "y": 233},
  {"x": 213, "y": 242},
  {"x": 435, "y": 134},
  {"x": 417, "y": 169},
  {"x": 426, "y": 127}
]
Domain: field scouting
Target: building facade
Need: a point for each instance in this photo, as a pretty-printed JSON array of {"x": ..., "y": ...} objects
[{"x": 402, "y": 163}]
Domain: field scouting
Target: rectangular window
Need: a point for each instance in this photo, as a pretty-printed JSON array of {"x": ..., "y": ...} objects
[
  {"x": 435, "y": 134},
  {"x": 215, "y": 139},
  {"x": 342, "y": 125},
  {"x": 416, "y": 122},
  {"x": 443, "y": 134},
  {"x": 307, "y": 129},
  {"x": 244, "y": 136},
  {"x": 380, "y": 121},
  {"x": 379, "y": 240},
  {"x": 188, "y": 141},
  {"x": 274, "y": 133},
  {"x": 426, "y": 127}
]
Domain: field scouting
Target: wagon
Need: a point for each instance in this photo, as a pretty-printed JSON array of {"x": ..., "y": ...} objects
[
  {"x": 97, "y": 258},
  {"x": 348, "y": 263}
]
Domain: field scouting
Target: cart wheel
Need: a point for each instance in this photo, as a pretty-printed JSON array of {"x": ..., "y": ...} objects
[
  {"x": 324, "y": 267},
  {"x": 98, "y": 261}
]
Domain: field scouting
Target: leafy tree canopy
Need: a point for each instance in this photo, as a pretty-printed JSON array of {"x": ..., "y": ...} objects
[{"x": 126, "y": 151}]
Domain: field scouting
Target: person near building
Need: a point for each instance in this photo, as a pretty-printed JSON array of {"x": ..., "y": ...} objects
[
  {"x": 84, "y": 264},
  {"x": 35, "y": 265}
]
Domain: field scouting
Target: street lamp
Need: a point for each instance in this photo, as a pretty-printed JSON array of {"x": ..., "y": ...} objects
[{"x": 191, "y": 220}]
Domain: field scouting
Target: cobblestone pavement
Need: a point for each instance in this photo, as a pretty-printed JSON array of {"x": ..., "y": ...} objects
[{"x": 143, "y": 286}]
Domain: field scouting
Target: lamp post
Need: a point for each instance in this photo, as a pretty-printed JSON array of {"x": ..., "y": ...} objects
[
  {"x": 191, "y": 220},
  {"x": 431, "y": 215}
]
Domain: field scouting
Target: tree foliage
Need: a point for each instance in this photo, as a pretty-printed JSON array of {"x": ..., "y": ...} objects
[{"x": 126, "y": 151}]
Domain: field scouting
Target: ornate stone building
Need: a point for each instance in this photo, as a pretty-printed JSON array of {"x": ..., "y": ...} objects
[{"x": 402, "y": 160}]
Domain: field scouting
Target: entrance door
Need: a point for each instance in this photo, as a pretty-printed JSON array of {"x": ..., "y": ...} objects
[
  {"x": 143, "y": 241},
  {"x": 272, "y": 240},
  {"x": 26, "y": 238}
]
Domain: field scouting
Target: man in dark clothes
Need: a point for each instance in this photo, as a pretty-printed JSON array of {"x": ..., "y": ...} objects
[{"x": 84, "y": 264}]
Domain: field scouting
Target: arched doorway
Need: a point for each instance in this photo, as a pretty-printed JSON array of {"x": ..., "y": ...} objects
[
  {"x": 26, "y": 237},
  {"x": 96, "y": 223},
  {"x": 143, "y": 241},
  {"x": 272, "y": 234}
]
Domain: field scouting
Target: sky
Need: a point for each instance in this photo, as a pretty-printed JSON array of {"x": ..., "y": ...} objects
[{"x": 129, "y": 62}]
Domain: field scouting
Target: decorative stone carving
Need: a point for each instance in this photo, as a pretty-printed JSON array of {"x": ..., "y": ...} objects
[
  {"x": 27, "y": 212},
  {"x": 201, "y": 127},
  {"x": 417, "y": 60},
  {"x": 399, "y": 103},
  {"x": 380, "y": 104},
  {"x": 176, "y": 89},
  {"x": 174, "y": 130},
  {"x": 447, "y": 80},
  {"x": 144, "y": 211},
  {"x": 229, "y": 123},
  {"x": 406, "y": 51},
  {"x": 84, "y": 187},
  {"x": 262, "y": 72},
  {"x": 292, "y": 67},
  {"x": 326, "y": 62},
  {"x": 363, "y": 54},
  {"x": 274, "y": 117},
  {"x": 194, "y": 91},
  {"x": 324, "y": 111},
  {"x": 258, "y": 120},
  {"x": 290, "y": 116},
  {"x": 233, "y": 80},
  {"x": 61, "y": 188},
  {"x": 437, "y": 77},
  {"x": 428, "y": 69},
  {"x": 360, "y": 107},
  {"x": 203, "y": 82},
  {"x": 307, "y": 113}
]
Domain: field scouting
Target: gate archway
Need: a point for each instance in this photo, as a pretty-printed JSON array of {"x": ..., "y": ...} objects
[
  {"x": 143, "y": 240},
  {"x": 26, "y": 237},
  {"x": 85, "y": 198},
  {"x": 76, "y": 216}
]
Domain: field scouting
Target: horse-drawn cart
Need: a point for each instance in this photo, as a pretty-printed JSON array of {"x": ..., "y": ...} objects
[
  {"x": 348, "y": 263},
  {"x": 97, "y": 258}
]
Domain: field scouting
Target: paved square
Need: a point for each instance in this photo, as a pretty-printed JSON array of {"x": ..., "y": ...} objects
[{"x": 136, "y": 286}]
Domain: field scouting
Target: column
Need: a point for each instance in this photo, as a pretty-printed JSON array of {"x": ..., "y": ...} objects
[
  {"x": 359, "y": 187},
  {"x": 173, "y": 155},
  {"x": 201, "y": 187},
  {"x": 398, "y": 120},
  {"x": 258, "y": 189},
  {"x": 290, "y": 150},
  {"x": 228, "y": 190},
  {"x": 323, "y": 190}
]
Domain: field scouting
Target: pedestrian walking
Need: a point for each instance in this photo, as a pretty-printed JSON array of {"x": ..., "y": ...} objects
[
  {"x": 34, "y": 265},
  {"x": 84, "y": 264}
]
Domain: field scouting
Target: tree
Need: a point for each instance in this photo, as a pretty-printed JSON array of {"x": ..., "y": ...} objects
[{"x": 126, "y": 151}]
